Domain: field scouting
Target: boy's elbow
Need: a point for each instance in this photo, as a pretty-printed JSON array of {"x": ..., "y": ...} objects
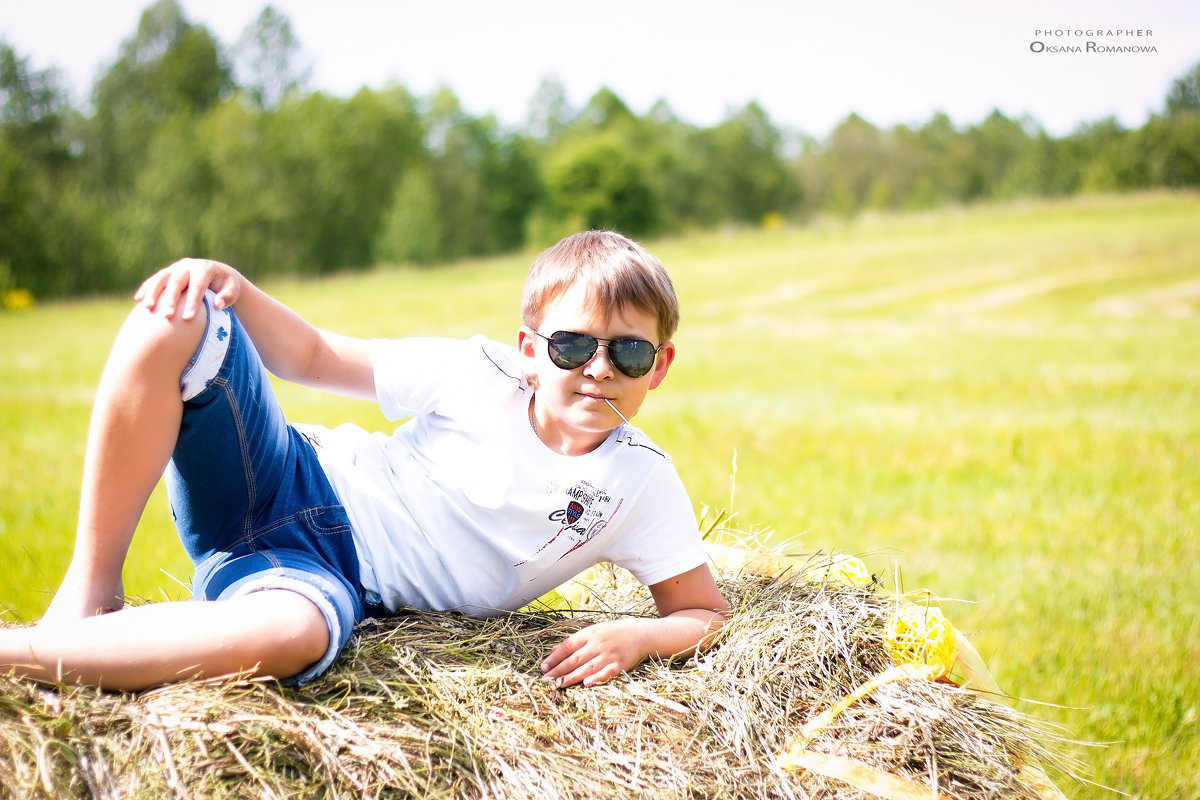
[
  {"x": 719, "y": 612},
  {"x": 712, "y": 620}
]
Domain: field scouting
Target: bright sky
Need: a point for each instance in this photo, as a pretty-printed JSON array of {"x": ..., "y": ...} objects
[{"x": 808, "y": 64}]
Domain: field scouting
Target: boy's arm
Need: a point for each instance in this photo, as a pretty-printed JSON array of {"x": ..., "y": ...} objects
[
  {"x": 289, "y": 345},
  {"x": 690, "y": 608}
]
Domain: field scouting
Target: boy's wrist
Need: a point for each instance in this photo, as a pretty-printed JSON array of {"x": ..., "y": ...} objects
[{"x": 671, "y": 636}]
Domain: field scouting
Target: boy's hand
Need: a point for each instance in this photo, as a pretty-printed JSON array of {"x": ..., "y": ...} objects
[
  {"x": 189, "y": 278},
  {"x": 690, "y": 608},
  {"x": 595, "y": 654},
  {"x": 79, "y": 597}
]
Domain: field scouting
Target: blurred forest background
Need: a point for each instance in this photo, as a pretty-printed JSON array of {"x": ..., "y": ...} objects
[{"x": 192, "y": 146}]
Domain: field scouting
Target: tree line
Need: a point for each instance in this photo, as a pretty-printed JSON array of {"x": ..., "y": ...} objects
[{"x": 189, "y": 147}]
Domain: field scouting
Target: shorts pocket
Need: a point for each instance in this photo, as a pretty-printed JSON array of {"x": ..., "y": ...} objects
[
  {"x": 292, "y": 531},
  {"x": 325, "y": 520},
  {"x": 322, "y": 531}
]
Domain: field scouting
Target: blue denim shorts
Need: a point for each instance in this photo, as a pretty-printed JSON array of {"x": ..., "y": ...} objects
[{"x": 252, "y": 505}]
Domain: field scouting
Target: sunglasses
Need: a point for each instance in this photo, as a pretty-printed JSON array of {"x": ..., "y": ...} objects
[{"x": 633, "y": 357}]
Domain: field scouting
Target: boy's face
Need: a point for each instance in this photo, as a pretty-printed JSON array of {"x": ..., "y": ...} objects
[{"x": 572, "y": 415}]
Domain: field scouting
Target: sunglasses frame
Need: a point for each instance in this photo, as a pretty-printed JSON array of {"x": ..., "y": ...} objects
[{"x": 557, "y": 360}]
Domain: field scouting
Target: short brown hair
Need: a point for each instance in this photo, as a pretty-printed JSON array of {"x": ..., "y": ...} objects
[{"x": 618, "y": 272}]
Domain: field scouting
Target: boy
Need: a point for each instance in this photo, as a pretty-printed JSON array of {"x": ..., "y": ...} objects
[{"x": 517, "y": 471}]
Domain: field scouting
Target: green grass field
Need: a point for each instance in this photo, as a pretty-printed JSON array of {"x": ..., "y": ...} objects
[{"x": 1000, "y": 405}]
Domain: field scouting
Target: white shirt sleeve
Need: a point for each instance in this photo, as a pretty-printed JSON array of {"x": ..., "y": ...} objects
[
  {"x": 663, "y": 539},
  {"x": 416, "y": 375}
]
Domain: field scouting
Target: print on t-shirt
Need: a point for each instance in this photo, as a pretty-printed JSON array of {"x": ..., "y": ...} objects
[{"x": 586, "y": 514}]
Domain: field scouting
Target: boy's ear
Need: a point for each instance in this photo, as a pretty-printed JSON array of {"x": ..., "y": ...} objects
[
  {"x": 525, "y": 342},
  {"x": 665, "y": 357}
]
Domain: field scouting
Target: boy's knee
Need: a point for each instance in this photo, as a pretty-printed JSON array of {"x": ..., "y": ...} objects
[{"x": 149, "y": 335}]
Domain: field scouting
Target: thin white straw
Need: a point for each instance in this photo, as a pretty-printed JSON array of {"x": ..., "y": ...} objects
[{"x": 614, "y": 408}]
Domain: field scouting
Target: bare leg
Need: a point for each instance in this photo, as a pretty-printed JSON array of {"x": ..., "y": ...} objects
[
  {"x": 269, "y": 633},
  {"x": 135, "y": 421}
]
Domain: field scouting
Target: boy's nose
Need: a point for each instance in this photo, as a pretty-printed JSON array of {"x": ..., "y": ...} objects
[{"x": 600, "y": 367}]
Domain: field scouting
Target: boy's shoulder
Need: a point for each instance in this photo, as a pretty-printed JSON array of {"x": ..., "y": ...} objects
[
  {"x": 424, "y": 353},
  {"x": 634, "y": 441}
]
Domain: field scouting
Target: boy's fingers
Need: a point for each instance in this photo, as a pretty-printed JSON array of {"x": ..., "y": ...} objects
[
  {"x": 189, "y": 278},
  {"x": 195, "y": 293},
  {"x": 554, "y": 663},
  {"x": 178, "y": 277},
  {"x": 225, "y": 297},
  {"x": 589, "y": 673},
  {"x": 567, "y": 664},
  {"x": 150, "y": 289},
  {"x": 229, "y": 290},
  {"x": 601, "y": 675}
]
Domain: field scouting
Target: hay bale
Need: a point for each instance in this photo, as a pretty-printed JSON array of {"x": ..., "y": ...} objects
[{"x": 440, "y": 705}]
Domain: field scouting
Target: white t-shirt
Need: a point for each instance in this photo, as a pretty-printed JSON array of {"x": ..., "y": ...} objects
[{"x": 463, "y": 507}]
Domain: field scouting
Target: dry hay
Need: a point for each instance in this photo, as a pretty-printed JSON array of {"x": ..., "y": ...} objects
[{"x": 440, "y": 705}]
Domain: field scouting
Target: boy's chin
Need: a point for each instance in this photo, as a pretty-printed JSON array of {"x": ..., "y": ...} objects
[{"x": 591, "y": 423}]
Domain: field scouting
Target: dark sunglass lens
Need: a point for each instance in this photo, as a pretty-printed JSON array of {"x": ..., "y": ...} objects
[
  {"x": 634, "y": 357},
  {"x": 571, "y": 350}
]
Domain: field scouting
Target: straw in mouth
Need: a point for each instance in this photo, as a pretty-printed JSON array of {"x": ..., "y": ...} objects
[{"x": 614, "y": 408}]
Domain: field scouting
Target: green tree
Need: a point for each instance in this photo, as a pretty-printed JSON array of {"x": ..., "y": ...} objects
[
  {"x": 950, "y": 157},
  {"x": 411, "y": 230},
  {"x": 29, "y": 127},
  {"x": 485, "y": 180},
  {"x": 550, "y": 111},
  {"x": 343, "y": 159},
  {"x": 747, "y": 167},
  {"x": 23, "y": 260},
  {"x": 1184, "y": 96},
  {"x": 301, "y": 189},
  {"x": 267, "y": 60},
  {"x": 598, "y": 183},
  {"x": 162, "y": 214},
  {"x": 909, "y": 180},
  {"x": 169, "y": 67},
  {"x": 675, "y": 158},
  {"x": 997, "y": 144},
  {"x": 848, "y": 166},
  {"x": 51, "y": 235},
  {"x": 33, "y": 109},
  {"x": 1098, "y": 152},
  {"x": 604, "y": 110},
  {"x": 659, "y": 177},
  {"x": 1170, "y": 149}
]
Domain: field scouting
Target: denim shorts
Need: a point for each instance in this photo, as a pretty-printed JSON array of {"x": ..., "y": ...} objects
[{"x": 252, "y": 505}]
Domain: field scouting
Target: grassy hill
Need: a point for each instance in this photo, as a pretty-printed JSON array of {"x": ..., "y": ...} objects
[{"x": 999, "y": 404}]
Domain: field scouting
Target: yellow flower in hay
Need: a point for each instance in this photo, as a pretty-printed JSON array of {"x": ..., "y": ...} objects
[
  {"x": 920, "y": 635},
  {"x": 838, "y": 569}
]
